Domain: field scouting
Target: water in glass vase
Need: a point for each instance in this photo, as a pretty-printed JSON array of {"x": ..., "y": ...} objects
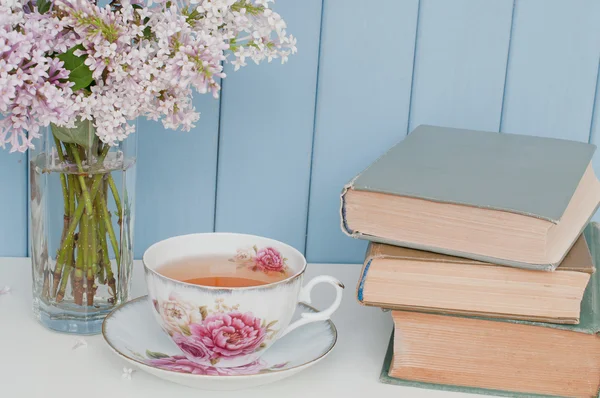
[{"x": 82, "y": 201}]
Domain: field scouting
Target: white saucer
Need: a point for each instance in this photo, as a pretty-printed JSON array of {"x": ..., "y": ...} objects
[{"x": 132, "y": 332}]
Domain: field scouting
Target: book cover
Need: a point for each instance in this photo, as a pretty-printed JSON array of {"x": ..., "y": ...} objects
[
  {"x": 578, "y": 259},
  {"x": 527, "y": 175}
]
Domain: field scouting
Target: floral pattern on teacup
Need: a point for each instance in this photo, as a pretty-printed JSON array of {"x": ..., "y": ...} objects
[
  {"x": 181, "y": 364},
  {"x": 267, "y": 259},
  {"x": 211, "y": 334}
]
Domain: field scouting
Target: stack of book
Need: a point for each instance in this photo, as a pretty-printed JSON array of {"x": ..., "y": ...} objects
[{"x": 478, "y": 247}]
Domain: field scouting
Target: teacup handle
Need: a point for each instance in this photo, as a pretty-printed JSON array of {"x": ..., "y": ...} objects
[{"x": 304, "y": 297}]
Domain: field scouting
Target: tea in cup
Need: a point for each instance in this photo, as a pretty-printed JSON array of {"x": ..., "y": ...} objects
[{"x": 225, "y": 298}]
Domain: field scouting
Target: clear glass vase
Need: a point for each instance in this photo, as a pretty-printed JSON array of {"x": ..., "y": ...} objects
[{"x": 82, "y": 216}]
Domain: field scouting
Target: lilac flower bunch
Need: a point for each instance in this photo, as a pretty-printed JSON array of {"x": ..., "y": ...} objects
[
  {"x": 34, "y": 86},
  {"x": 67, "y": 61}
]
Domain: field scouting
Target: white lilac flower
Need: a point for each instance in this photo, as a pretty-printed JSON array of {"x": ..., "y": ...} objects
[
  {"x": 80, "y": 342},
  {"x": 34, "y": 92},
  {"x": 145, "y": 58},
  {"x": 127, "y": 372}
]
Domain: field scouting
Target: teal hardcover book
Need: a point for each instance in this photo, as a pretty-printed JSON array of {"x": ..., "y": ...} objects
[
  {"x": 506, "y": 199},
  {"x": 590, "y": 356}
]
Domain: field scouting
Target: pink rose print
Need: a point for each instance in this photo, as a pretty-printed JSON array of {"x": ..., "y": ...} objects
[
  {"x": 222, "y": 335},
  {"x": 266, "y": 260},
  {"x": 249, "y": 369},
  {"x": 269, "y": 259},
  {"x": 193, "y": 347},
  {"x": 179, "y": 363},
  {"x": 229, "y": 335}
]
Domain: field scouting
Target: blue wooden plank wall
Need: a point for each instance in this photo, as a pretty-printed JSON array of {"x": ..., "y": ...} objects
[{"x": 272, "y": 154}]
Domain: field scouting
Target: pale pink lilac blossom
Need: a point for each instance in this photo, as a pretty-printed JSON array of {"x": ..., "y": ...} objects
[
  {"x": 4, "y": 290},
  {"x": 146, "y": 60},
  {"x": 33, "y": 89}
]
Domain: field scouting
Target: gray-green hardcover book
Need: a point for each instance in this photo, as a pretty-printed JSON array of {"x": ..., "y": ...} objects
[
  {"x": 589, "y": 324},
  {"x": 534, "y": 194}
]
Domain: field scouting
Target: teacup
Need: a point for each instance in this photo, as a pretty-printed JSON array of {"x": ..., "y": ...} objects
[{"x": 227, "y": 327}]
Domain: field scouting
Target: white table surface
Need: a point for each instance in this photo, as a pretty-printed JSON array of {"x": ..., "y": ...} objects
[{"x": 35, "y": 362}]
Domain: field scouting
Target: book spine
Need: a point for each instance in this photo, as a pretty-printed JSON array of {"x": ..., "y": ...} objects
[
  {"x": 350, "y": 185},
  {"x": 361, "y": 282},
  {"x": 592, "y": 236},
  {"x": 344, "y": 222}
]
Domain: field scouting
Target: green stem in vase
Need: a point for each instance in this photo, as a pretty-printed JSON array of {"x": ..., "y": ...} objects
[
  {"x": 93, "y": 244},
  {"x": 78, "y": 276},
  {"x": 105, "y": 259},
  {"x": 71, "y": 249},
  {"x": 100, "y": 244},
  {"x": 65, "y": 277},
  {"x": 84, "y": 235},
  {"x": 92, "y": 258},
  {"x": 115, "y": 192},
  {"x": 101, "y": 278},
  {"x": 77, "y": 215},
  {"x": 90, "y": 287},
  {"x": 111, "y": 233},
  {"x": 69, "y": 203},
  {"x": 72, "y": 182},
  {"x": 86, "y": 195},
  {"x": 63, "y": 177},
  {"x": 66, "y": 244}
]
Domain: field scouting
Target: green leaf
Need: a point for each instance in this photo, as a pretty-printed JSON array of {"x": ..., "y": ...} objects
[
  {"x": 261, "y": 347},
  {"x": 271, "y": 324},
  {"x": 81, "y": 76},
  {"x": 80, "y": 73},
  {"x": 185, "y": 330},
  {"x": 155, "y": 355},
  {"x": 147, "y": 33},
  {"x": 80, "y": 134},
  {"x": 204, "y": 312},
  {"x": 43, "y": 6}
]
